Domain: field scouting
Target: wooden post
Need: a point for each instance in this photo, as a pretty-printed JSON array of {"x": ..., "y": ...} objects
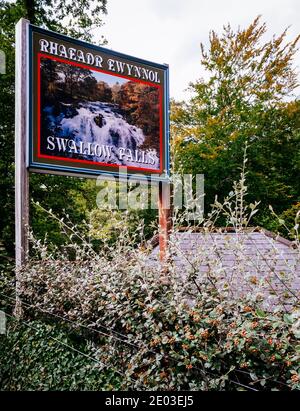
[
  {"x": 21, "y": 172},
  {"x": 165, "y": 219}
]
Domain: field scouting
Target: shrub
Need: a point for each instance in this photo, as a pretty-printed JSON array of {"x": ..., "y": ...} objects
[
  {"x": 167, "y": 327},
  {"x": 160, "y": 339}
]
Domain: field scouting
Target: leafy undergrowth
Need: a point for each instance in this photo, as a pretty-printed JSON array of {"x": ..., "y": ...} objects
[
  {"x": 139, "y": 335},
  {"x": 37, "y": 355},
  {"x": 113, "y": 319}
]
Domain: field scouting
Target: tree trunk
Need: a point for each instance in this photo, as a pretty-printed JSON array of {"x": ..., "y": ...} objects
[{"x": 30, "y": 6}]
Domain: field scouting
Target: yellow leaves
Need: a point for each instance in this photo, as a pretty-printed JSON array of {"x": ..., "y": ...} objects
[
  {"x": 248, "y": 55},
  {"x": 212, "y": 121},
  {"x": 263, "y": 70},
  {"x": 279, "y": 87},
  {"x": 215, "y": 45},
  {"x": 292, "y": 107},
  {"x": 268, "y": 78},
  {"x": 213, "y": 152},
  {"x": 177, "y": 111},
  {"x": 211, "y": 156},
  {"x": 233, "y": 136}
]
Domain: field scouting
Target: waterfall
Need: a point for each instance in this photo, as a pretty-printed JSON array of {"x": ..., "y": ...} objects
[{"x": 99, "y": 123}]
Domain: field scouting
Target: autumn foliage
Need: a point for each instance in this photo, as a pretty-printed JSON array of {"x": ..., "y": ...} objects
[{"x": 247, "y": 96}]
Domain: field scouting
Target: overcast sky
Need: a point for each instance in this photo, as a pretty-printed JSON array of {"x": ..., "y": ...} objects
[{"x": 170, "y": 31}]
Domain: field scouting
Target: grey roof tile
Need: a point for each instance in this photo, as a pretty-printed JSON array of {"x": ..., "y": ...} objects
[{"x": 238, "y": 257}]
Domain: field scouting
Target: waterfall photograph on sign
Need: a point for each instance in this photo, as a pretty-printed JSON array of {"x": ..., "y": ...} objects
[{"x": 92, "y": 116}]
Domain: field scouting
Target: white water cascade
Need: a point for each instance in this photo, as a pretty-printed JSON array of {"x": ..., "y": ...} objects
[{"x": 103, "y": 124}]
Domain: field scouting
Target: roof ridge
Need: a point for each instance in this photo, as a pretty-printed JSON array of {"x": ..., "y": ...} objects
[{"x": 154, "y": 241}]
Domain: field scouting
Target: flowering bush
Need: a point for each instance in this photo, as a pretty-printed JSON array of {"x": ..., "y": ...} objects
[
  {"x": 160, "y": 340},
  {"x": 172, "y": 326}
]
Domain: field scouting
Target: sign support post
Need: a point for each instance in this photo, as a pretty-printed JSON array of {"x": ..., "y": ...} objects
[
  {"x": 165, "y": 219},
  {"x": 21, "y": 172}
]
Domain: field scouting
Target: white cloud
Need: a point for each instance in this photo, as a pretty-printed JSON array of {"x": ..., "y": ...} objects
[{"x": 170, "y": 31}]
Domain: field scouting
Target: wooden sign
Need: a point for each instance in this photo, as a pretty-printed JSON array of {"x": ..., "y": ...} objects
[{"x": 94, "y": 111}]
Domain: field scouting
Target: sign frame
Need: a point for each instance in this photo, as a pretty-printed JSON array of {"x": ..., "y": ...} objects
[{"x": 114, "y": 171}]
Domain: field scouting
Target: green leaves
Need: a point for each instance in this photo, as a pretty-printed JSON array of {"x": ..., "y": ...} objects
[
  {"x": 260, "y": 313},
  {"x": 78, "y": 19},
  {"x": 244, "y": 99},
  {"x": 31, "y": 360}
]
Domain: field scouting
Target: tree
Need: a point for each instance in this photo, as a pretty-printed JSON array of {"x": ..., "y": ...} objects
[
  {"x": 248, "y": 97},
  {"x": 77, "y": 19},
  {"x": 49, "y": 79},
  {"x": 140, "y": 104},
  {"x": 115, "y": 91},
  {"x": 103, "y": 92}
]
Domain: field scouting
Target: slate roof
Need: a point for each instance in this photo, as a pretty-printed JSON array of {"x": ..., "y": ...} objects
[{"x": 251, "y": 261}]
